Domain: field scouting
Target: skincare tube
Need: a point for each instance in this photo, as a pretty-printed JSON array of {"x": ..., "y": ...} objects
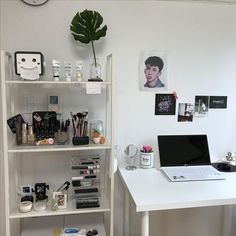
[
  {"x": 68, "y": 70},
  {"x": 79, "y": 70},
  {"x": 56, "y": 66}
]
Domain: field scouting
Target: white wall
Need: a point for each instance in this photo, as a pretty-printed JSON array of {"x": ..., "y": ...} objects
[{"x": 200, "y": 41}]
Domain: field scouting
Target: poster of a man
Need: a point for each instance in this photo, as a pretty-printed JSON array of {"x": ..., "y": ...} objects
[{"x": 152, "y": 71}]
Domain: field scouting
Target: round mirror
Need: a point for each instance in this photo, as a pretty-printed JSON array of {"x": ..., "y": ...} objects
[{"x": 131, "y": 152}]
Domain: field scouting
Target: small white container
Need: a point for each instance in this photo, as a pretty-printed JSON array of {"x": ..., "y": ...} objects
[
  {"x": 25, "y": 206},
  {"x": 146, "y": 159}
]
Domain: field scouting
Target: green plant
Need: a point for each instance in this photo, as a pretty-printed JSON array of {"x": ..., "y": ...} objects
[{"x": 86, "y": 28}]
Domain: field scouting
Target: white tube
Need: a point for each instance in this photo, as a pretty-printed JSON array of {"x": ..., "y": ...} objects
[
  {"x": 68, "y": 70},
  {"x": 56, "y": 66}
]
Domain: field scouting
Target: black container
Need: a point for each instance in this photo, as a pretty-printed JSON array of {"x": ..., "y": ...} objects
[{"x": 80, "y": 140}]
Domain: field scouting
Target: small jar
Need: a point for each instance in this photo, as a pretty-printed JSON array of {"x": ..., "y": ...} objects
[
  {"x": 95, "y": 71},
  {"x": 96, "y": 125},
  {"x": 62, "y": 137},
  {"x": 146, "y": 159}
]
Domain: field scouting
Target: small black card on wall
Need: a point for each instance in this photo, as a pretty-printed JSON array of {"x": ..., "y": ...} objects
[
  {"x": 218, "y": 102},
  {"x": 165, "y": 104}
]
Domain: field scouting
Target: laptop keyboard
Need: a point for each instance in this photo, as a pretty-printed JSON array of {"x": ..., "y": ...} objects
[
  {"x": 192, "y": 173},
  {"x": 195, "y": 171}
]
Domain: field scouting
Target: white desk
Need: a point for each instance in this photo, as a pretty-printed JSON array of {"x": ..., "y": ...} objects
[{"x": 152, "y": 191}]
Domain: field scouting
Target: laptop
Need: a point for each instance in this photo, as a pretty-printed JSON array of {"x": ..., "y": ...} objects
[{"x": 186, "y": 158}]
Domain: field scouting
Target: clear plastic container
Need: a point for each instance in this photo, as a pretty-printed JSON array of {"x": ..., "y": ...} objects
[
  {"x": 62, "y": 138},
  {"x": 96, "y": 125}
]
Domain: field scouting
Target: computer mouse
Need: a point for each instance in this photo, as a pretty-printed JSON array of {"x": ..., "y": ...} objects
[{"x": 223, "y": 166}]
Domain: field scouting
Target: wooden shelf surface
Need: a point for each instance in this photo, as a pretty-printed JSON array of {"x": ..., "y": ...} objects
[
  {"x": 54, "y": 82},
  {"x": 47, "y": 225},
  {"x": 57, "y": 148},
  {"x": 70, "y": 210}
]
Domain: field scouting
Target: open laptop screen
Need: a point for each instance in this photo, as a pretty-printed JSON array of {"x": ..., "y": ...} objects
[{"x": 180, "y": 150}]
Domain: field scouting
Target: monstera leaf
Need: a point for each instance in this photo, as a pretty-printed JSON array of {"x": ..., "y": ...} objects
[{"x": 86, "y": 27}]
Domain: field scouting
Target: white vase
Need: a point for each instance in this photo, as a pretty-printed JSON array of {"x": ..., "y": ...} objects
[
  {"x": 95, "y": 71},
  {"x": 146, "y": 159}
]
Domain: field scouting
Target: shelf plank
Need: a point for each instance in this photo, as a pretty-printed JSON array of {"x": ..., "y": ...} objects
[
  {"x": 57, "y": 148},
  {"x": 70, "y": 210},
  {"x": 54, "y": 82},
  {"x": 47, "y": 225}
]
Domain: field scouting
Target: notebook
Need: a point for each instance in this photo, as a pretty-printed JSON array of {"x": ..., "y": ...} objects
[{"x": 186, "y": 158}]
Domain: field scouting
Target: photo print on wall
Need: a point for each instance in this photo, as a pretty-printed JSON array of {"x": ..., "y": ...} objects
[
  {"x": 218, "y": 102},
  {"x": 201, "y": 106},
  {"x": 153, "y": 71},
  {"x": 165, "y": 104},
  {"x": 185, "y": 112}
]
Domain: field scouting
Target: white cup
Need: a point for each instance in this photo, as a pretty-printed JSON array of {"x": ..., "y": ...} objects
[{"x": 146, "y": 159}]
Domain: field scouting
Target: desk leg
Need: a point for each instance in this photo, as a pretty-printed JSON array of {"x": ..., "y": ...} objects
[
  {"x": 126, "y": 214},
  {"x": 145, "y": 223},
  {"x": 228, "y": 217}
]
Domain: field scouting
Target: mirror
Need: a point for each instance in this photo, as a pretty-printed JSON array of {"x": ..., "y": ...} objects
[
  {"x": 131, "y": 151},
  {"x": 35, "y": 2}
]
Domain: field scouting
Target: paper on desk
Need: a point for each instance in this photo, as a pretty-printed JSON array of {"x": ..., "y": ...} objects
[
  {"x": 93, "y": 88},
  {"x": 29, "y": 73}
]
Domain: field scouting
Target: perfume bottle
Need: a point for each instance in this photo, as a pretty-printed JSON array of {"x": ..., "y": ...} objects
[
  {"x": 24, "y": 133},
  {"x": 95, "y": 71},
  {"x": 79, "y": 70},
  {"x": 30, "y": 136},
  {"x": 19, "y": 131}
]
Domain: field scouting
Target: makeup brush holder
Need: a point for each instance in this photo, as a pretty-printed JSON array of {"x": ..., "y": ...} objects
[
  {"x": 62, "y": 138},
  {"x": 80, "y": 140}
]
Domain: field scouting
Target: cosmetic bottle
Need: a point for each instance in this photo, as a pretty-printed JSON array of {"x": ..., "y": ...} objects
[
  {"x": 68, "y": 70},
  {"x": 79, "y": 70},
  {"x": 30, "y": 136},
  {"x": 56, "y": 66},
  {"x": 18, "y": 131},
  {"x": 24, "y": 133}
]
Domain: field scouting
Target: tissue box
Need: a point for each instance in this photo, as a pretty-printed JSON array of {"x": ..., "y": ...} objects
[{"x": 28, "y": 60}]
